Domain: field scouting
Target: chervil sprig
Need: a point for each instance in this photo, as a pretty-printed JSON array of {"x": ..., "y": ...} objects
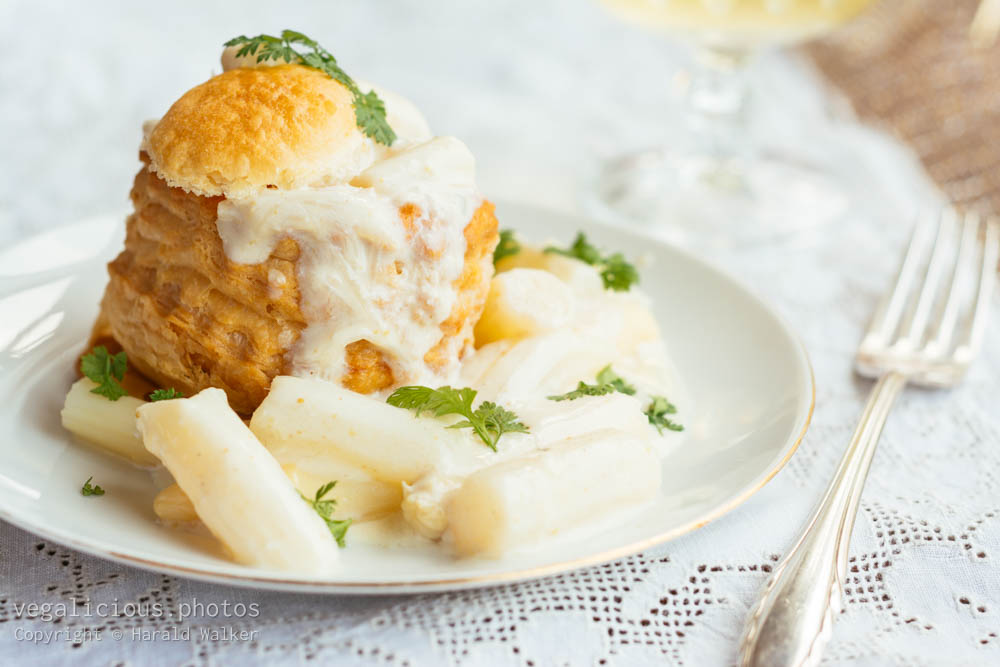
[
  {"x": 294, "y": 47},
  {"x": 338, "y": 527},
  {"x": 583, "y": 389},
  {"x": 581, "y": 249},
  {"x": 493, "y": 420},
  {"x": 489, "y": 420},
  {"x": 107, "y": 370},
  {"x": 617, "y": 274},
  {"x": 608, "y": 376},
  {"x": 659, "y": 408},
  {"x": 88, "y": 490},
  {"x": 165, "y": 394},
  {"x": 607, "y": 382},
  {"x": 507, "y": 246}
]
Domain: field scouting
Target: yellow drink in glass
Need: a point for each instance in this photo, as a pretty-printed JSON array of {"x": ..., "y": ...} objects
[
  {"x": 740, "y": 23},
  {"x": 719, "y": 179}
]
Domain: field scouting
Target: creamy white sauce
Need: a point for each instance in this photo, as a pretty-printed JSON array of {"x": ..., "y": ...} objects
[{"x": 363, "y": 273}]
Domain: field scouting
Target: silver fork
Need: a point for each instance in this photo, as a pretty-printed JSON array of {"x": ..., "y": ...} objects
[{"x": 926, "y": 332}]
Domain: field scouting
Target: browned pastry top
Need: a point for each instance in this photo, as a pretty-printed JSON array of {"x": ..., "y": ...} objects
[{"x": 250, "y": 128}]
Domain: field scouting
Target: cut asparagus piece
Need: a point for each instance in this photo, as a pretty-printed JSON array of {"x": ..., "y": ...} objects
[{"x": 238, "y": 489}]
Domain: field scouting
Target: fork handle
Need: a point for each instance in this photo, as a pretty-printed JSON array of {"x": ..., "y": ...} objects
[{"x": 792, "y": 622}]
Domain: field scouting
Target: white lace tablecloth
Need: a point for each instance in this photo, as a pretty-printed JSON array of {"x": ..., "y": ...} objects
[{"x": 540, "y": 93}]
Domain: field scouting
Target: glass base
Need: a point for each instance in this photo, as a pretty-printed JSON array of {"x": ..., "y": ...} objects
[{"x": 695, "y": 200}]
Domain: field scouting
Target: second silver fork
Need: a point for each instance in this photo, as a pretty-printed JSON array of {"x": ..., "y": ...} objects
[{"x": 927, "y": 331}]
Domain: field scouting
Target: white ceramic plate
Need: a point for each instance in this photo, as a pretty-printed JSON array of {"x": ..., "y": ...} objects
[{"x": 750, "y": 393}]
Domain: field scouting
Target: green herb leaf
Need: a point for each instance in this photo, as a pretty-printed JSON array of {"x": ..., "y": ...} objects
[
  {"x": 657, "y": 413},
  {"x": 489, "y": 420},
  {"x": 582, "y": 249},
  {"x": 496, "y": 420},
  {"x": 507, "y": 246},
  {"x": 607, "y": 381},
  {"x": 165, "y": 394},
  {"x": 323, "y": 490},
  {"x": 369, "y": 110},
  {"x": 616, "y": 272},
  {"x": 337, "y": 527},
  {"x": 294, "y": 47},
  {"x": 583, "y": 389},
  {"x": 106, "y": 370},
  {"x": 88, "y": 490},
  {"x": 441, "y": 401},
  {"x": 608, "y": 376}
]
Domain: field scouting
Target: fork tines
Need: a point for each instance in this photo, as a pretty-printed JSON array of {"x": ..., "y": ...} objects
[{"x": 930, "y": 326}]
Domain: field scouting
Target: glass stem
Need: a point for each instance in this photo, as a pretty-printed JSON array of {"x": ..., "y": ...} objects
[{"x": 718, "y": 104}]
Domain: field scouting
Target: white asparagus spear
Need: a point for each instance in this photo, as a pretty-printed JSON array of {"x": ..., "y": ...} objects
[
  {"x": 524, "y": 302},
  {"x": 542, "y": 364},
  {"x": 237, "y": 488},
  {"x": 109, "y": 425},
  {"x": 359, "y": 496},
  {"x": 522, "y": 500},
  {"x": 551, "y": 422},
  {"x": 477, "y": 364},
  {"x": 173, "y": 506},
  {"x": 312, "y": 423},
  {"x": 581, "y": 277},
  {"x": 358, "y": 499}
]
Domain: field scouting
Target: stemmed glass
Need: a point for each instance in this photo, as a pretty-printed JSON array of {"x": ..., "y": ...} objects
[{"x": 728, "y": 186}]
